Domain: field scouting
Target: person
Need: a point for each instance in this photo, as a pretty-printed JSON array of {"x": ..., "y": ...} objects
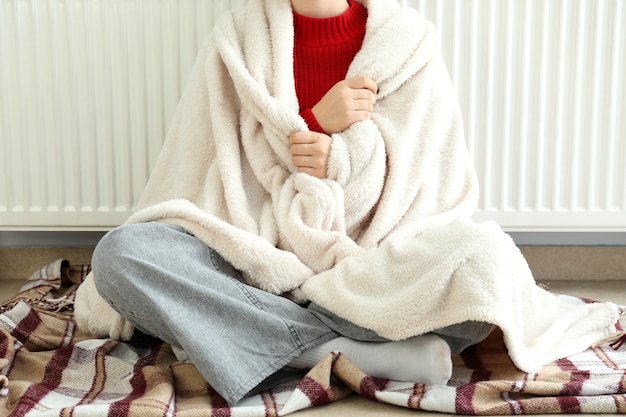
[{"x": 304, "y": 159}]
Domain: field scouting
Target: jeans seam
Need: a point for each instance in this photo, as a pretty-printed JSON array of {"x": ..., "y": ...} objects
[
  {"x": 214, "y": 260},
  {"x": 247, "y": 293},
  {"x": 294, "y": 335},
  {"x": 246, "y": 386}
]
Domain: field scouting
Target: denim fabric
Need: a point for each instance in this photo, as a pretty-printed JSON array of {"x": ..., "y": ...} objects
[
  {"x": 458, "y": 336},
  {"x": 170, "y": 285}
]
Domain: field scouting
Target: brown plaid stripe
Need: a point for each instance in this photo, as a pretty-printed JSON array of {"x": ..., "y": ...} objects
[{"x": 48, "y": 366}]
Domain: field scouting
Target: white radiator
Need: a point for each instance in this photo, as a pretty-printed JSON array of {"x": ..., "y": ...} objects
[{"x": 88, "y": 88}]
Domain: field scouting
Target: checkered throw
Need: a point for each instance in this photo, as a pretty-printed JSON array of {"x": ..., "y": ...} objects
[{"x": 48, "y": 367}]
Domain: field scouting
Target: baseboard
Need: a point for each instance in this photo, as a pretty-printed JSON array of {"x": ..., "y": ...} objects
[
  {"x": 579, "y": 263},
  {"x": 22, "y": 262},
  {"x": 548, "y": 263}
]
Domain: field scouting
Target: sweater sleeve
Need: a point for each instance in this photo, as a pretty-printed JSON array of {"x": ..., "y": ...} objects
[{"x": 311, "y": 121}]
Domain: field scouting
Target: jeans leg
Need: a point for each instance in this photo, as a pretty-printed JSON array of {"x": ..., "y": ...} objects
[
  {"x": 458, "y": 336},
  {"x": 344, "y": 327},
  {"x": 169, "y": 284},
  {"x": 462, "y": 335}
]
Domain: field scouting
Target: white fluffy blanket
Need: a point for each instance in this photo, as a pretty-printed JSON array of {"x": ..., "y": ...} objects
[{"x": 386, "y": 241}]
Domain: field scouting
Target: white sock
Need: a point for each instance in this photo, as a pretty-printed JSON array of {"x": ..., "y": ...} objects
[{"x": 425, "y": 359}]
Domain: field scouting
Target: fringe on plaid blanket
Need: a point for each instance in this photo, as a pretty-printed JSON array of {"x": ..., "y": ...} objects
[{"x": 48, "y": 367}]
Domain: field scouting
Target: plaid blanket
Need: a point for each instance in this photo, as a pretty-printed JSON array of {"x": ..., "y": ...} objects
[{"x": 49, "y": 367}]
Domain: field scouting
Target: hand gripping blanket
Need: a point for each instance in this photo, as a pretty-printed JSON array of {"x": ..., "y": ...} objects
[{"x": 387, "y": 240}]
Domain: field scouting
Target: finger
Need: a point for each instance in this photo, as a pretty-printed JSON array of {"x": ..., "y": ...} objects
[
  {"x": 312, "y": 150},
  {"x": 300, "y": 150},
  {"x": 360, "y": 115},
  {"x": 302, "y": 161},
  {"x": 309, "y": 164},
  {"x": 363, "y": 105},
  {"x": 301, "y": 137},
  {"x": 362, "y": 82},
  {"x": 364, "y": 94},
  {"x": 307, "y": 150}
]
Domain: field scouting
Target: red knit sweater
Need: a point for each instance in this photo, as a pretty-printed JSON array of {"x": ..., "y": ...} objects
[{"x": 323, "y": 51}]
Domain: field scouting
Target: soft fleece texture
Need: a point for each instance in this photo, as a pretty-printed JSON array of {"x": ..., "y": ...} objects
[{"x": 387, "y": 241}]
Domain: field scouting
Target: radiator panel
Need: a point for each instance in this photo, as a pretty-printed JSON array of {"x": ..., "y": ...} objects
[
  {"x": 88, "y": 88},
  {"x": 541, "y": 85}
]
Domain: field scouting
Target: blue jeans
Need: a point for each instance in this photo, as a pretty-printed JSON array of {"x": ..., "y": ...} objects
[{"x": 170, "y": 285}]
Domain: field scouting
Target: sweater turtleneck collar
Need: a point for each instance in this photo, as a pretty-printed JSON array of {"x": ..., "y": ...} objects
[{"x": 334, "y": 30}]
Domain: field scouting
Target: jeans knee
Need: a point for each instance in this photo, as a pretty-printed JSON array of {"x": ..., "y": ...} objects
[
  {"x": 107, "y": 250},
  {"x": 107, "y": 262},
  {"x": 122, "y": 255},
  {"x": 122, "y": 242}
]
